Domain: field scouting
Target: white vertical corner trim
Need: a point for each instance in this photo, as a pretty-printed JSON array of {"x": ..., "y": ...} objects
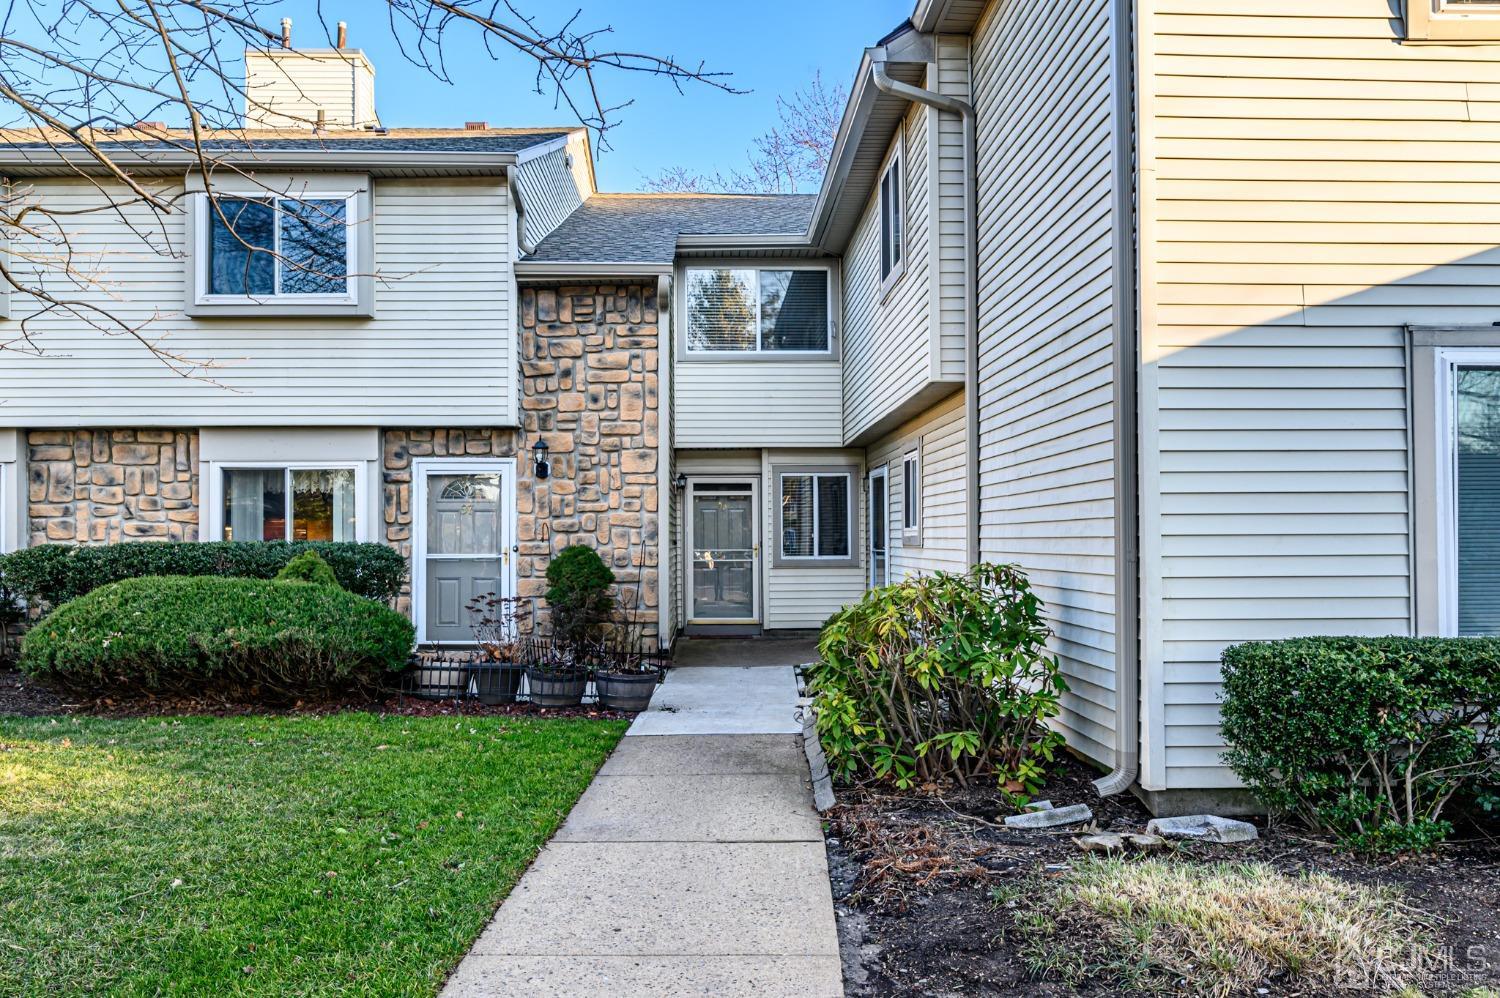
[
  {"x": 421, "y": 468},
  {"x": 665, "y": 496}
]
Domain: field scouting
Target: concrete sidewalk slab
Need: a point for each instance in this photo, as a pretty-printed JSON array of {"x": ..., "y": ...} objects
[
  {"x": 668, "y": 899},
  {"x": 694, "y": 809},
  {"x": 723, "y": 701},
  {"x": 707, "y": 755},
  {"x": 731, "y": 652},
  {"x": 650, "y": 977}
]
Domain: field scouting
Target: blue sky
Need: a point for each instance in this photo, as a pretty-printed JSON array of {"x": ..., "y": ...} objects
[{"x": 771, "y": 47}]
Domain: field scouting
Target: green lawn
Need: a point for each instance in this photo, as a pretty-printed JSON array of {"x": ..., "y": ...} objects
[{"x": 348, "y": 854}]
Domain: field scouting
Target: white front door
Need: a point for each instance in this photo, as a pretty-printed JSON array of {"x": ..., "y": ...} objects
[
  {"x": 723, "y": 543},
  {"x": 464, "y": 530}
]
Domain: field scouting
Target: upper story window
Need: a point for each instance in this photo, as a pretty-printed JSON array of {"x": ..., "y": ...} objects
[
  {"x": 892, "y": 220},
  {"x": 265, "y": 247},
  {"x": 1453, "y": 20},
  {"x": 773, "y": 310},
  {"x": 262, "y": 253},
  {"x": 269, "y": 247}
]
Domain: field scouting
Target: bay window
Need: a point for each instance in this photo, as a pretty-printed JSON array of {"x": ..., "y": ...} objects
[{"x": 732, "y": 310}]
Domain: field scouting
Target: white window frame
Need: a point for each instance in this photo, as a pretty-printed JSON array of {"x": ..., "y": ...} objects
[
  {"x": 203, "y": 250},
  {"x": 851, "y": 512},
  {"x": 759, "y": 353},
  {"x": 911, "y": 495},
  {"x": 1447, "y": 21},
  {"x": 1446, "y": 367},
  {"x": 421, "y": 469},
  {"x": 883, "y": 474},
  {"x": 213, "y": 522},
  {"x": 897, "y": 206}
]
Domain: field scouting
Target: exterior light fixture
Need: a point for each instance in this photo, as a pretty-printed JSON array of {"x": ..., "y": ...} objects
[
  {"x": 539, "y": 451},
  {"x": 680, "y": 482}
]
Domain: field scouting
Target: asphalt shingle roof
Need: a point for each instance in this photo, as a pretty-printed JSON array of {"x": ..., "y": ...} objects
[{"x": 643, "y": 228}]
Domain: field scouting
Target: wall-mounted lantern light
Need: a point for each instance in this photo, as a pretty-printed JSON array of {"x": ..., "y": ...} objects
[
  {"x": 680, "y": 482},
  {"x": 539, "y": 451}
]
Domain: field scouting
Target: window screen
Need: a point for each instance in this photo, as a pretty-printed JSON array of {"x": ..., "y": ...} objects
[
  {"x": 815, "y": 516},
  {"x": 1477, "y": 488},
  {"x": 746, "y": 311},
  {"x": 794, "y": 310}
]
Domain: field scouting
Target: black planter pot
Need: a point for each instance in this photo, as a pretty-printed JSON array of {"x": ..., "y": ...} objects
[
  {"x": 496, "y": 682},
  {"x": 554, "y": 689},
  {"x": 625, "y": 690}
]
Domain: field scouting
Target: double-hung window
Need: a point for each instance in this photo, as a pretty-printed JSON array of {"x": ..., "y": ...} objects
[
  {"x": 1453, "y": 20},
  {"x": 779, "y": 311},
  {"x": 892, "y": 220},
  {"x": 816, "y": 516},
  {"x": 290, "y": 503}
]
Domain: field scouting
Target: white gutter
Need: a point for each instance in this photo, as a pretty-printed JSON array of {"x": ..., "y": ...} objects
[
  {"x": 964, "y": 110},
  {"x": 1126, "y": 452}
]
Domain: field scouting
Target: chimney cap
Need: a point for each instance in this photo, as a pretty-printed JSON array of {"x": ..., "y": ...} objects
[{"x": 476, "y": 126}]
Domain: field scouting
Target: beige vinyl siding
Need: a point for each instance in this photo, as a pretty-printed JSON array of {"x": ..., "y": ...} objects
[
  {"x": 1311, "y": 187},
  {"x": 1043, "y": 99},
  {"x": 947, "y": 157},
  {"x": 552, "y": 188},
  {"x": 287, "y": 89},
  {"x": 801, "y": 597},
  {"x": 438, "y": 352},
  {"x": 940, "y": 431},
  {"x": 889, "y": 341},
  {"x": 757, "y": 403}
]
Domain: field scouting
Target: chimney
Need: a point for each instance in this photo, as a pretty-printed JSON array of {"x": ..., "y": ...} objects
[
  {"x": 286, "y": 32},
  {"x": 476, "y": 126},
  {"x": 343, "y": 36},
  {"x": 303, "y": 89}
]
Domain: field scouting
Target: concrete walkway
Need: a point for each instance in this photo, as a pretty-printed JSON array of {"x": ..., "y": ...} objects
[{"x": 692, "y": 865}]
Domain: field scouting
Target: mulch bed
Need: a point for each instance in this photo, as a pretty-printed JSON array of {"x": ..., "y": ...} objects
[
  {"x": 19, "y": 695},
  {"x": 913, "y": 873}
]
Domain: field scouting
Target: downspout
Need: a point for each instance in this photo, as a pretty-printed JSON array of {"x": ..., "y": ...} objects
[
  {"x": 528, "y": 248},
  {"x": 1126, "y": 452},
  {"x": 965, "y": 111}
]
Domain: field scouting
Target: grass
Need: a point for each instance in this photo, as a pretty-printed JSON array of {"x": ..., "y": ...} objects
[
  {"x": 346, "y": 854},
  {"x": 1219, "y": 929}
]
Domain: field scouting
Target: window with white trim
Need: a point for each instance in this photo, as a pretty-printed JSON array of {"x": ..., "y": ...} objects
[
  {"x": 892, "y": 219},
  {"x": 816, "y": 515},
  {"x": 1453, "y": 20},
  {"x": 911, "y": 491},
  {"x": 732, "y": 310},
  {"x": 277, "y": 249},
  {"x": 1469, "y": 497},
  {"x": 290, "y": 503}
]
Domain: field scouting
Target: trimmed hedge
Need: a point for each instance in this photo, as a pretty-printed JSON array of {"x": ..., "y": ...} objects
[
  {"x": 182, "y": 634},
  {"x": 50, "y": 575},
  {"x": 1365, "y": 738}
]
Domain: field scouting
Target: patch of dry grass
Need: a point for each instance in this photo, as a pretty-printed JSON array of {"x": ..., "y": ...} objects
[{"x": 1220, "y": 929}]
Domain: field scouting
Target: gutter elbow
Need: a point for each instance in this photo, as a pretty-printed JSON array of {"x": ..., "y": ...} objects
[{"x": 526, "y": 247}]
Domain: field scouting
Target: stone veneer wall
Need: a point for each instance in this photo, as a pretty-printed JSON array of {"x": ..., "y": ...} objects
[
  {"x": 589, "y": 389},
  {"x": 104, "y": 486}
]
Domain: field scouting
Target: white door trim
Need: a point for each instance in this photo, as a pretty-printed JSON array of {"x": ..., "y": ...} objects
[
  {"x": 421, "y": 468},
  {"x": 689, "y": 557},
  {"x": 883, "y": 474}
]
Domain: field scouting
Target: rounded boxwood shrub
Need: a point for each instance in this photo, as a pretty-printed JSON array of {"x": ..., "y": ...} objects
[
  {"x": 237, "y": 636},
  {"x": 578, "y": 595},
  {"x": 940, "y": 677},
  {"x": 1368, "y": 739},
  {"x": 50, "y": 575},
  {"x": 308, "y": 567}
]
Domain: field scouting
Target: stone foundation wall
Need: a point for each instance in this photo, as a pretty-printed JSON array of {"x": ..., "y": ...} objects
[
  {"x": 106, "y": 486},
  {"x": 589, "y": 389}
]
